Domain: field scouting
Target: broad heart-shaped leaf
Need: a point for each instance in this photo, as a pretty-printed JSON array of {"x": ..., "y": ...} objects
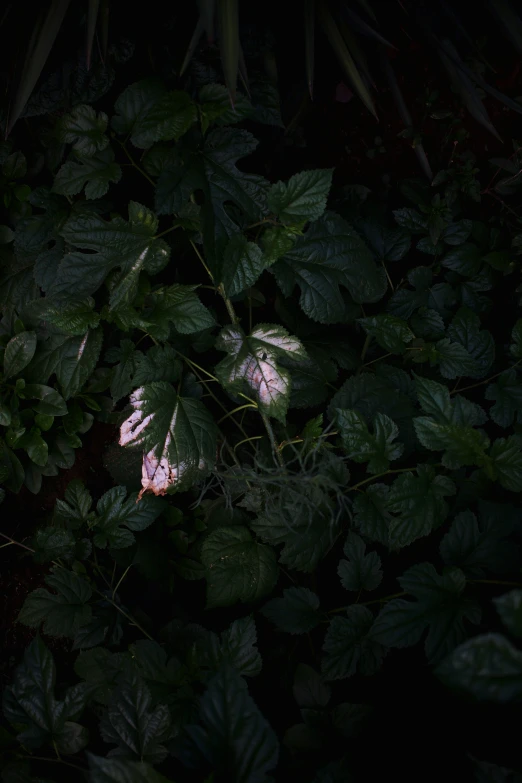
[
  {"x": 72, "y": 359},
  {"x": 371, "y": 514},
  {"x": 389, "y": 244},
  {"x": 84, "y": 130},
  {"x": 479, "y": 546},
  {"x": 233, "y": 737},
  {"x": 131, "y": 723},
  {"x": 302, "y": 198},
  {"x": 73, "y": 318},
  {"x": 62, "y": 613},
  {"x": 306, "y": 523},
  {"x": 348, "y": 647},
  {"x": 18, "y": 353},
  {"x": 377, "y": 448},
  {"x": 237, "y": 646},
  {"x": 461, "y": 445},
  {"x": 129, "y": 245},
  {"x": 177, "y": 434},
  {"x": 252, "y": 364},
  {"x": 507, "y": 395},
  {"x": 330, "y": 255},
  {"x": 392, "y": 333},
  {"x": 418, "y": 503},
  {"x": 238, "y": 567},
  {"x": 116, "y": 770},
  {"x": 465, "y": 329},
  {"x": 509, "y": 607},
  {"x": 438, "y": 297},
  {"x": 114, "y": 511},
  {"x": 440, "y": 607},
  {"x": 29, "y": 704},
  {"x": 487, "y": 667},
  {"x": 147, "y": 113},
  {"x": 121, "y": 380},
  {"x": 242, "y": 264},
  {"x": 75, "y": 507},
  {"x": 158, "y": 364},
  {"x": 361, "y": 571},
  {"x": 178, "y": 306},
  {"x": 296, "y": 612},
  {"x": 212, "y": 170},
  {"x": 92, "y": 173},
  {"x": 506, "y": 462}
]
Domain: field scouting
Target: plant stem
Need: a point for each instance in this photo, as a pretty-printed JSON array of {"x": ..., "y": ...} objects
[
  {"x": 236, "y": 410},
  {"x": 133, "y": 162},
  {"x": 270, "y": 431},
  {"x": 502, "y": 582},
  {"x": 487, "y": 380},
  {"x": 167, "y": 231},
  {"x": 379, "y": 358},
  {"x": 12, "y": 541},
  {"x": 125, "y": 614},
  {"x": 247, "y": 440},
  {"x": 379, "y": 475},
  {"x": 228, "y": 304},
  {"x": 365, "y": 347},
  {"x": 120, "y": 581},
  {"x": 368, "y": 603},
  {"x": 53, "y": 761}
]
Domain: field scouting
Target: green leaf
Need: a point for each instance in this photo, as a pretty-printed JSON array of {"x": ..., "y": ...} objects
[
  {"x": 309, "y": 690},
  {"x": 85, "y": 130},
  {"x": 29, "y": 704},
  {"x": 75, "y": 507},
  {"x": 158, "y": 364},
  {"x": 116, "y": 770},
  {"x": 480, "y": 546},
  {"x": 440, "y": 607},
  {"x": 453, "y": 359},
  {"x": 310, "y": 377},
  {"x": 465, "y": 259},
  {"x": 179, "y": 306},
  {"x": 167, "y": 119},
  {"x": 409, "y": 218},
  {"x": 296, "y": 612},
  {"x": 49, "y": 402},
  {"x": 216, "y": 109},
  {"x": 389, "y": 244},
  {"x": 121, "y": 379},
  {"x": 392, "y": 333},
  {"x": 74, "y": 318},
  {"x": 77, "y": 358},
  {"x": 213, "y": 171},
  {"x": 177, "y": 434},
  {"x": 461, "y": 445},
  {"x": 233, "y": 736},
  {"x": 53, "y": 543},
  {"x": 506, "y": 462},
  {"x": 63, "y": 612},
  {"x": 252, "y": 364},
  {"x": 507, "y": 395},
  {"x": 509, "y": 607},
  {"x": 237, "y": 646},
  {"x": 93, "y": 173},
  {"x": 376, "y": 449},
  {"x": 348, "y": 647},
  {"x": 516, "y": 337},
  {"x": 130, "y": 246},
  {"x": 134, "y": 104},
  {"x": 487, "y": 667},
  {"x": 371, "y": 514},
  {"x": 330, "y": 255},
  {"x": 302, "y": 198},
  {"x": 465, "y": 329},
  {"x": 361, "y": 571},
  {"x": 238, "y": 568},
  {"x": 243, "y": 263},
  {"x": 418, "y": 501},
  {"x": 117, "y": 517},
  {"x": 18, "y": 353},
  {"x": 130, "y": 722},
  {"x": 276, "y": 242}
]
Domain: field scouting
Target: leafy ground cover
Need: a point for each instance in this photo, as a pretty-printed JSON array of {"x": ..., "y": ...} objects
[{"x": 268, "y": 430}]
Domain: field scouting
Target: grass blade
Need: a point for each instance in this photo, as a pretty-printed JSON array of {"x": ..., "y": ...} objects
[
  {"x": 194, "y": 41},
  {"x": 41, "y": 44},
  {"x": 404, "y": 113},
  {"x": 309, "y": 26},
  {"x": 229, "y": 43},
  {"x": 345, "y": 58},
  {"x": 509, "y": 20},
  {"x": 207, "y": 10},
  {"x": 362, "y": 27},
  {"x": 465, "y": 86},
  {"x": 92, "y": 17},
  {"x": 104, "y": 24},
  {"x": 243, "y": 74}
]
